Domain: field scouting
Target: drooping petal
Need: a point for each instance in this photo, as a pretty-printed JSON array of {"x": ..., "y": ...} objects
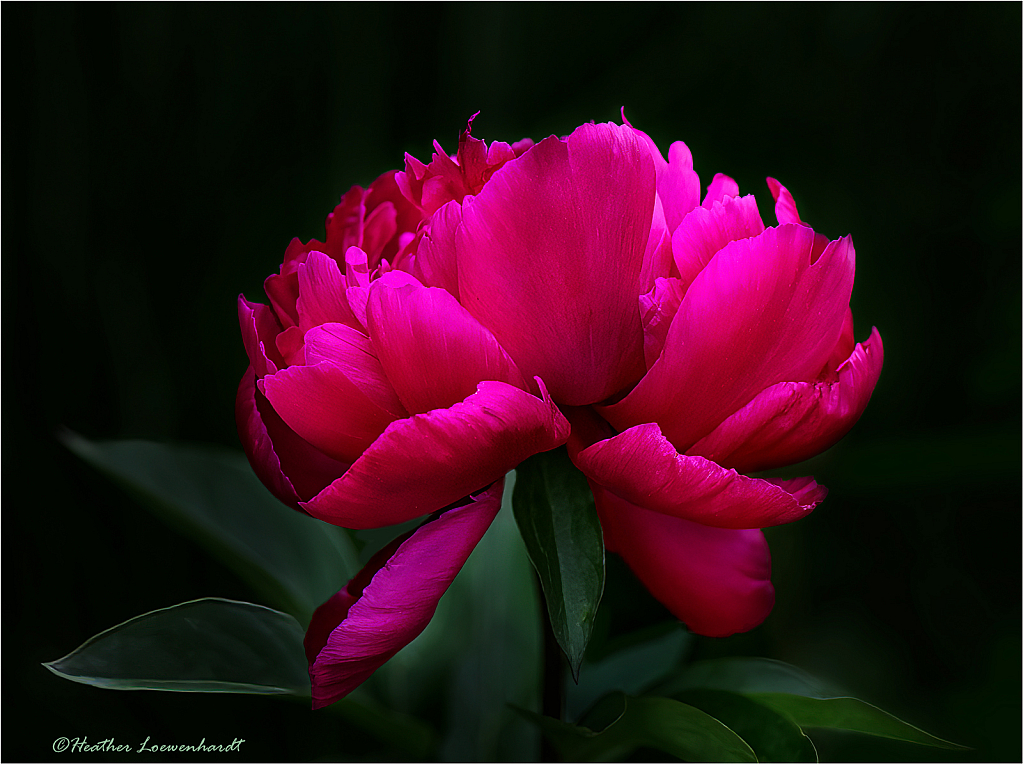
[
  {"x": 424, "y": 463},
  {"x": 353, "y": 353},
  {"x": 792, "y": 421},
  {"x": 642, "y": 467},
  {"x": 390, "y": 602},
  {"x": 260, "y": 329},
  {"x": 716, "y": 581},
  {"x": 326, "y": 408},
  {"x": 721, "y": 187},
  {"x": 706, "y": 230},
  {"x": 549, "y": 259},
  {"x": 759, "y": 313},
  {"x": 433, "y": 352},
  {"x": 286, "y": 464}
]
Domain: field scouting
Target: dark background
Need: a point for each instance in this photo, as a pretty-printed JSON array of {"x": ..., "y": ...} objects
[{"x": 157, "y": 159}]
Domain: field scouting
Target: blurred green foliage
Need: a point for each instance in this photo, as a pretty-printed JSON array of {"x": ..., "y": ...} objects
[{"x": 158, "y": 158}]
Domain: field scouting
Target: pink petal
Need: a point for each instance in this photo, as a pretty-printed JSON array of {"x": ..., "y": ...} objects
[
  {"x": 678, "y": 186},
  {"x": 353, "y": 353},
  {"x": 642, "y": 467},
  {"x": 287, "y": 465},
  {"x": 784, "y": 205},
  {"x": 433, "y": 352},
  {"x": 436, "y": 263},
  {"x": 326, "y": 408},
  {"x": 424, "y": 463},
  {"x": 707, "y": 230},
  {"x": 549, "y": 259},
  {"x": 716, "y": 581},
  {"x": 657, "y": 308},
  {"x": 721, "y": 187},
  {"x": 792, "y": 421},
  {"x": 260, "y": 329},
  {"x": 322, "y": 293},
  {"x": 759, "y": 313},
  {"x": 391, "y": 601}
]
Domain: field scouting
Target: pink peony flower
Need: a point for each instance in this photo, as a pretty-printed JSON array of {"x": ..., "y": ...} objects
[{"x": 462, "y": 313}]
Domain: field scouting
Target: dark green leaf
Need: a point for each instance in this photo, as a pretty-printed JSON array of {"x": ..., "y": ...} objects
[
  {"x": 794, "y": 693},
  {"x": 212, "y": 495},
  {"x": 207, "y": 645},
  {"x": 772, "y": 735},
  {"x": 555, "y": 513},
  {"x": 661, "y": 723}
]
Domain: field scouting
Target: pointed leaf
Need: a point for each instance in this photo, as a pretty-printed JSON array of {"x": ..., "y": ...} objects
[
  {"x": 206, "y": 645},
  {"x": 662, "y": 723},
  {"x": 212, "y": 495},
  {"x": 799, "y": 696},
  {"x": 556, "y": 516}
]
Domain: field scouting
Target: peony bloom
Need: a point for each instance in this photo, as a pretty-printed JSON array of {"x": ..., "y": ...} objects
[{"x": 463, "y": 312}]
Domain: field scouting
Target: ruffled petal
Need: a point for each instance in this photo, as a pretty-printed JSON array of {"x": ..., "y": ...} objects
[
  {"x": 759, "y": 313},
  {"x": 326, "y": 408},
  {"x": 716, "y": 581},
  {"x": 424, "y": 463},
  {"x": 433, "y": 352},
  {"x": 390, "y": 602},
  {"x": 642, "y": 467},
  {"x": 706, "y": 230},
  {"x": 286, "y": 464},
  {"x": 549, "y": 259},
  {"x": 792, "y": 421},
  {"x": 721, "y": 187}
]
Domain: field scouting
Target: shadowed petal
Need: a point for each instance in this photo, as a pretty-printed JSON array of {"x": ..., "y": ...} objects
[
  {"x": 260, "y": 330},
  {"x": 424, "y": 463},
  {"x": 642, "y": 467},
  {"x": 792, "y": 421},
  {"x": 390, "y": 602},
  {"x": 706, "y": 230},
  {"x": 716, "y": 581}
]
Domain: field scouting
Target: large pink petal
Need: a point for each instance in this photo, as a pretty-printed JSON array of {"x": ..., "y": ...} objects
[
  {"x": 424, "y": 463},
  {"x": 792, "y": 421},
  {"x": 706, "y": 230},
  {"x": 716, "y": 581},
  {"x": 326, "y": 408},
  {"x": 549, "y": 259},
  {"x": 642, "y": 467},
  {"x": 289, "y": 466},
  {"x": 433, "y": 352},
  {"x": 759, "y": 313},
  {"x": 390, "y": 602}
]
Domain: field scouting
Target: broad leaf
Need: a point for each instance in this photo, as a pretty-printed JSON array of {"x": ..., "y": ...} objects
[
  {"x": 556, "y": 516},
  {"x": 805, "y": 700},
  {"x": 771, "y": 735},
  {"x": 661, "y": 723},
  {"x": 212, "y": 495},
  {"x": 207, "y": 645}
]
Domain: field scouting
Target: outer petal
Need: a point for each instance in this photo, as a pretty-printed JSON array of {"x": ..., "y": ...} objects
[
  {"x": 642, "y": 467},
  {"x": 260, "y": 330},
  {"x": 760, "y": 313},
  {"x": 424, "y": 463},
  {"x": 706, "y": 230},
  {"x": 432, "y": 350},
  {"x": 718, "y": 582},
  {"x": 792, "y": 421},
  {"x": 390, "y": 602},
  {"x": 289, "y": 466},
  {"x": 326, "y": 408},
  {"x": 549, "y": 259}
]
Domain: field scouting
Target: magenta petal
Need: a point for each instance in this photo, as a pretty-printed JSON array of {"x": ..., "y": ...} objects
[
  {"x": 759, "y": 313},
  {"x": 722, "y": 186},
  {"x": 678, "y": 185},
  {"x": 706, "y": 230},
  {"x": 321, "y": 297},
  {"x": 367, "y": 623},
  {"x": 433, "y": 352},
  {"x": 784, "y": 205},
  {"x": 289, "y": 466},
  {"x": 716, "y": 581},
  {"x": 436, "y": 263},
  {"x": 792, "y": 421},
  {"x": 424, "y": 463},
  {"x": 326, "y": 408},
  {"x": 260, "y": 330},
  {"x": 642, "y": 467},
  {"x": 657, "y": 308},
  {"x": 550, "y": 255}
]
